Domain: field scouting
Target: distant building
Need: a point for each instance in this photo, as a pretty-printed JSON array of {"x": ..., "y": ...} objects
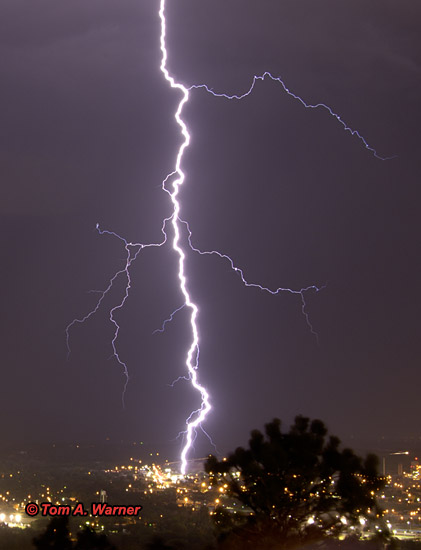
[{"x": 415, "y": 469}]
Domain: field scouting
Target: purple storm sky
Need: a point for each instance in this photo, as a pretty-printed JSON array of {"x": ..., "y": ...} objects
[{"x": 87, "y": 136}]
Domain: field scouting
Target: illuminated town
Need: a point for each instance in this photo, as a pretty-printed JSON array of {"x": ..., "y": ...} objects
[{"x": 166, "y": 496}]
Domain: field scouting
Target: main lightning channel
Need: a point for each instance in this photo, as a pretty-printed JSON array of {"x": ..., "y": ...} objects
[{"x": 198, "y": 416}]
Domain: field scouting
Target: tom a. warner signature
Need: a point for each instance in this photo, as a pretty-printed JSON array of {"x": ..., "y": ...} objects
[{"x": 97, "y": 509}]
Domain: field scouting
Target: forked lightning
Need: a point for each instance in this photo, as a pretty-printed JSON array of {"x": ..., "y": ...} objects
[{"x": 182, "y": 244}]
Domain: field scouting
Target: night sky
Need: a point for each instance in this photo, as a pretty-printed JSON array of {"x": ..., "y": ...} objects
[{"x": 87, "y": 135}]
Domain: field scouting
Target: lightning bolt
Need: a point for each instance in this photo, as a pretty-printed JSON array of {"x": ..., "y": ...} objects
[
  {"x": 182, "y": 243},
  {"x": 132, "y": 251},
  {"x": 170, "y": 318},
  {"x": 297, "y": 98},
  {"x": 198, "y": 416}
]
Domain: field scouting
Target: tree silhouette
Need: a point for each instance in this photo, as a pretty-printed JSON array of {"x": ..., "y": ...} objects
[
  {"x": 56, "y": 536},
  {"x": 297, "y": 486},
  {"x": 158, "y": 543},
  {"x": 90, "y": 540}
]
